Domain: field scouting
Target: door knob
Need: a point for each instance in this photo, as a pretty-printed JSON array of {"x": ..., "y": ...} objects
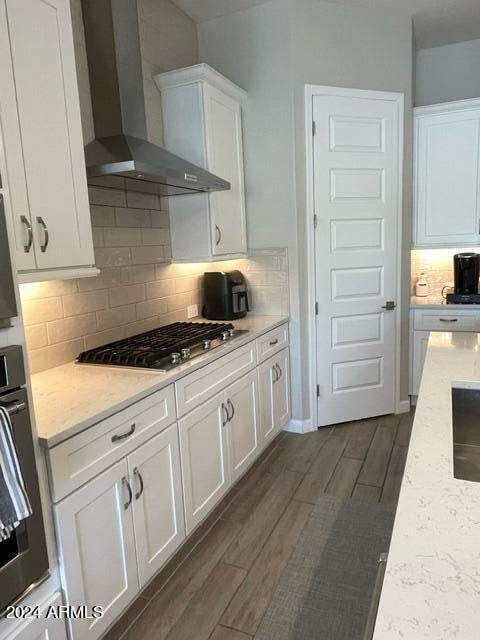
[{"x": 389, "y": 305}]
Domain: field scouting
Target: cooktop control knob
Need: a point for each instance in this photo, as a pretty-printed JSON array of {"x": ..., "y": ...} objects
[
  {"x": 231, "y": 332},
  {"x": 175, "y": 358},
  {"x": 225, "y": 335},
  {"x": 185, "y": 353},
  {"x": 207, "y": 344}
]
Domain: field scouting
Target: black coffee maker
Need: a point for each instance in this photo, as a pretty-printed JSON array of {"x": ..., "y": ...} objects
[
  {"x": 466, "y": 272},
  {"x": 225, "y": 295}
]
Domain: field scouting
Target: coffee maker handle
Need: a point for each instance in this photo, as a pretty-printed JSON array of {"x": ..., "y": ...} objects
[{"x": 244, "y": 294}]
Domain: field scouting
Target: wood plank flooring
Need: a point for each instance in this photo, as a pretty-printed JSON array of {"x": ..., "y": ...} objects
[{"x": 220, "y": 584}]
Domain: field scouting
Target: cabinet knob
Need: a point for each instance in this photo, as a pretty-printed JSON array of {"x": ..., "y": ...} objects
[
  {"x": 46, "y": 238},
  {"x": 218, "y": 235},
  {"x": 28, "y": 227}
]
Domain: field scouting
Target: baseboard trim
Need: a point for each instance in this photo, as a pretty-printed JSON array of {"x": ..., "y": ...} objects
[
  {"x": 403, "y": 406},
  {"x": 299, "y": 426}
]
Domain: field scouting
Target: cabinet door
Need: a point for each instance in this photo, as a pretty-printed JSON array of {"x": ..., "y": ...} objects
[
  {"x": 44, "y": 70},
  {"x": 225, "y": 159},
  {"x": 266, "y": 376},
  {"x": 12, "y": 168},
  {"x": 241, "y": 399},
  {"x": 281, "y": 390},
  {"x": 158, "y": 504},
  {"x": 447, "y": 178},
  {"x": 203, "y": 449},
  {"x": 420, "y": 344},
  {"x": 97, "y": 549},
  {"x": 42, "y": 628}
]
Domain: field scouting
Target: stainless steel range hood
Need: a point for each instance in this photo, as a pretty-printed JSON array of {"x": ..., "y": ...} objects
[{"x": 121, "y": 155}]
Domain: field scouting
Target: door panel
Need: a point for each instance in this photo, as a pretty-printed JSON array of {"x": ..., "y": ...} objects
[
  {"x": 97, "y": 549},
  {"x": 356, "y": 197},
  {"x": 50, "y": 129},
  {"x": 281, "y": 391},
  {"x": 266, "y": 376},
  {"x": 242, "y": 401},
  {"x": 225, "y": 159},
  {"x": 448, "y": 178},
  {"x": 158, "y": 516},
  {"x": 203, "y": 449}
]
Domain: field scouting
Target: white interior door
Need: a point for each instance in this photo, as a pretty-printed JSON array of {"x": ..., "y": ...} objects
[{"x": 356, "y": 153}]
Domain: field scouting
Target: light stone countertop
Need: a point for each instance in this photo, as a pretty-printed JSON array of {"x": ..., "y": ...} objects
[
  {"x": 432, "y": 583},
  {"x": 437, "y": 302},
  {"x": 70, "y": 398}
]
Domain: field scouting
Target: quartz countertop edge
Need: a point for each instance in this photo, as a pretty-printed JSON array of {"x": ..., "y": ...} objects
[
  {"x": 73, "y": 397},
  {"x": 432, "y": 582},
  {"x": 437, "y": 302}
]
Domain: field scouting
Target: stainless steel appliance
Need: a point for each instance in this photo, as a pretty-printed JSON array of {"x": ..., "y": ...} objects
[
  {"x": 225, "y": 295},
  {"x": 8, "y": 306},
  {"x": 23, "y": 557},
  {"x": 162, "y": 348},
  {"x": 121, "y": 148},
  {"x": 466, "y": 271}
]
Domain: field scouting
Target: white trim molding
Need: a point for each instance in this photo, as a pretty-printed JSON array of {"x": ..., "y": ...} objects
[
  {"x": 299, "y": 426},
  {"x": 400, "y": 406}
]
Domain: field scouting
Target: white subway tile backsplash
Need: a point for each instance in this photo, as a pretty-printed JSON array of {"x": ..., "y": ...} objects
[
  {"x": 115, "y": 317},
  {"x": 80, "y": 303},
  {"x": 138, "y": 288},
  {"x": 127, "y": 295}
]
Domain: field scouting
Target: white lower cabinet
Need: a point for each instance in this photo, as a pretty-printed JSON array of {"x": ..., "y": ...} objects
[
  {"x": 420, "y": 344},
  {"x": 242, "y": 429},
  {"x": 203, "y": 446},
  {"x": 157, "y": 504},
  {"x": 274, "y": 391},
  {"x": 97, "y": 549},
  {"x": 43, "y": 628}
]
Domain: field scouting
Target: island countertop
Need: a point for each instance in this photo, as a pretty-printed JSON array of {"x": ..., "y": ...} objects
[
  {"x": 432, "y": 582},
  {"x": 73, "y": 397}
]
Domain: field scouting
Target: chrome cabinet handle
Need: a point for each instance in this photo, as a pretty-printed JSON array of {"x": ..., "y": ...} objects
[
  {"x": 275, "y": 374},
  {"x": 389, "y": 305},
  {"x": 273, "y": 342},
  {"x": 138, "y": 475},
  {"x": 28, "y": 227},
  {"x": 127, "y": 434},
  {"x": 218, "y": 235},
  {"x": 280, "y": 372},
  {"x": 230, "y": 404},
  {"x": 41, "y": 222},
  {"x": 225, "y": 418},
  {"x": 448, "y": 319},
  {"x": 126, "y": 484}
]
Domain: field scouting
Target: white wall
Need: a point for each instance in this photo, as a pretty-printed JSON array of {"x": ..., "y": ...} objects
[
  {"x": 448, "y": 73},
  {"x": 272, "y": 51}
]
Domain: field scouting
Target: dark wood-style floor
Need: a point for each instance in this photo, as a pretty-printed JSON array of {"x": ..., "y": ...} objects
[{"x": 220, "y": 584}]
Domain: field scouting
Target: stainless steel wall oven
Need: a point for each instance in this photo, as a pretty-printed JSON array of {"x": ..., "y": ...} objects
[{"x": 23, "y": 556}]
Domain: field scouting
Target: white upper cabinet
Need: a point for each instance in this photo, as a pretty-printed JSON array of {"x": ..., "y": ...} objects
[
  {"x": 447, "y": 174},
  {"x": 202, "y": 117},
  {"x": 43, "y": 156}
]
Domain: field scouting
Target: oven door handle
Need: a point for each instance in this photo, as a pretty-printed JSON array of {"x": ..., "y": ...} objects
[{"x": 12, "y": 408}]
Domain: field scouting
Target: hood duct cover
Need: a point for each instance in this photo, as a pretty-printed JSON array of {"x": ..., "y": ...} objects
[{"x": 120, "y": 156}]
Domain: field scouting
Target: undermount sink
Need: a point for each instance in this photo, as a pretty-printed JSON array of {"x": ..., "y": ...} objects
[{"x": 466, "y": 433}]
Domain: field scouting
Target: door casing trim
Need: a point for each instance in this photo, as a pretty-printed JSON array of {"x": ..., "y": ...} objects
[{"x": 312, "y": 91}]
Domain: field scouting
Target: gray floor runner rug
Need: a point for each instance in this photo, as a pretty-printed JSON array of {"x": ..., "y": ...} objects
[{"x": 325, "y": 591}]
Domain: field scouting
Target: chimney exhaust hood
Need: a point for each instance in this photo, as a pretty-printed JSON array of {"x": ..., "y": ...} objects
[{"x": 120, "y": 156}]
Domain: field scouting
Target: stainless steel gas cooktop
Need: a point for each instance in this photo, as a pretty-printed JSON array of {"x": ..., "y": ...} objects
[{"x": 162, "y": 348}]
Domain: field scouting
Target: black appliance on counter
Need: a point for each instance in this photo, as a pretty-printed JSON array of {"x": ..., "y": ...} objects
[
  {"x": 23, "y": 556},
  {"x": 163, "y": 348},
  {"x": 466, "y": 272},
  {"x": 225, "y": 295}
]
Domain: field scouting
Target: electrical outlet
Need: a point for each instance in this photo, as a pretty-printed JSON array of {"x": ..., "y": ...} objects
[{"x": 192, "y": 311}]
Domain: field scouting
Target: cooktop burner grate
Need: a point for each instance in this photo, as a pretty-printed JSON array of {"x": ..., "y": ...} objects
[{"x": 160, "y": 348}]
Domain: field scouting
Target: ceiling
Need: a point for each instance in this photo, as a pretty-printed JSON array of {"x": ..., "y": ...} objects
[{"x": 437, "y": 22}]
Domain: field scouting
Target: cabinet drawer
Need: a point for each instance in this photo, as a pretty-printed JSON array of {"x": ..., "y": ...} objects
[
  {"x": 272, "y": 342},
  {"x": 204, "y": 383},
  {"x": 447, "y": 320},
  {"x": 75, "y": 461}
]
